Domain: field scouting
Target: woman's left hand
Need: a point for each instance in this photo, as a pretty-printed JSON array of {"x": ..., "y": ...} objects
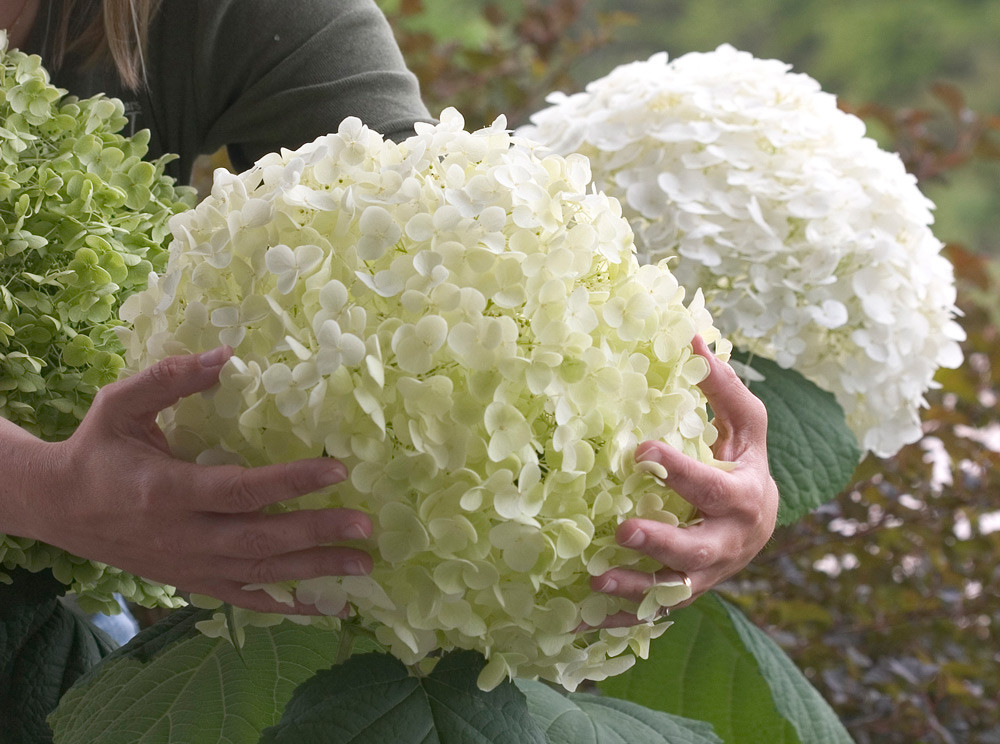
[{"x": 738, "y": 507}]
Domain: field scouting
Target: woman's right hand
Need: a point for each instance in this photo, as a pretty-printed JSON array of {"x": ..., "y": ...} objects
[{"x": 114, "y": 493}]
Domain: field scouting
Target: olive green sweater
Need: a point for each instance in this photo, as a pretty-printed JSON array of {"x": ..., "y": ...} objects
[{"x": 255, "y": 76}]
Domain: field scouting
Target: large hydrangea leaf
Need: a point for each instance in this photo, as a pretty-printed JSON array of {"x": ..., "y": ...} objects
[
  {"x": 44, "y": 648},
  {"x": 173, "y": 684},
  {"x": 374, "y": 698},
  {"x": 582, "y": 718},
  {"x": 715, "y": 665},
  {"x": 811, "y": 450}
]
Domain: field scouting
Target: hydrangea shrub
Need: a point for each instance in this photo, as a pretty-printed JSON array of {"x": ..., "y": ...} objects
[
  {"x": 83, "y": 221},
  {"x": 462, "y": 324},
  {"x": 812, "y": 245}
]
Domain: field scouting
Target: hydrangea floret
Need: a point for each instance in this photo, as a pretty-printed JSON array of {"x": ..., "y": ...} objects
[
  {"x": 813, "y": 246},
  {"x": 83, "y": 221},
  {"x": 461, "y": 323}
]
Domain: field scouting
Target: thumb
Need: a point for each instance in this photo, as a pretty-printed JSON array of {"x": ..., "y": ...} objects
[{"x": 159, "y": 386}]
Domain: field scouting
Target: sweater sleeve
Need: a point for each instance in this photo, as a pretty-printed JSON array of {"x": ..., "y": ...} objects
[{"x": 258, "y": 75}]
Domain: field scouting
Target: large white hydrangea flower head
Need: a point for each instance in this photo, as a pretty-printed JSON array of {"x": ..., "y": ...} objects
[
  {"x": 812, "y": 245},
  {"x": 458, "y": 321}
]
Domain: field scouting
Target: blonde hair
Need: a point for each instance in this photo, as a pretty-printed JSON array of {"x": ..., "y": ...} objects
[{"x": 100, "y": 30}]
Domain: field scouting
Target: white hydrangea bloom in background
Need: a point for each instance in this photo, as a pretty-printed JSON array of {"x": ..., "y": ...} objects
[
  {"x": 812, "y": 245},
  {"x": 457, "y": 320}
]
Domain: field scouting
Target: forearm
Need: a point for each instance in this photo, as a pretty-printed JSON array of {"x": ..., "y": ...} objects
[{"x": 24, "y": 473}]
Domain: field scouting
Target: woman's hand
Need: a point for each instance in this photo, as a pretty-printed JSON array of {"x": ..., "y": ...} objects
[
  {"x": 738, "y": 507},
  {"x": 114, "y": 493}
]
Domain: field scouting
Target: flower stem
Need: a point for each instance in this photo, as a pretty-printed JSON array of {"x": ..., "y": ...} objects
[{"x": 347, "y": 636}]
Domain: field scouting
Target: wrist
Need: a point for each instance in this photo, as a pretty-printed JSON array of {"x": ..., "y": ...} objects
[{"x": 26, "y": 480}]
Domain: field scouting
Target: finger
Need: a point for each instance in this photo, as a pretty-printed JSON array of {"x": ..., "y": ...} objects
[
  {"x": 232, "y": 592},
  {"x": 259, "y": 536},
  {"x": 633, "y": 585},
  {"x": 154, "y": 388},
  {"x": 302, "y": 564},
  {"x": 235, "y": 489},
  {"x": 618, "y": 620},
  {"x": 711, "y": 490},
  {"x": 682, "y": 548},
  {"x": 735, "y": 407}
]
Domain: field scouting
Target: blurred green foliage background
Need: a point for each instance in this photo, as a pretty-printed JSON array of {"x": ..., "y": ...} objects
[
  {"x": 890, "y": 52},
  {"x": 888, "y": 597}
]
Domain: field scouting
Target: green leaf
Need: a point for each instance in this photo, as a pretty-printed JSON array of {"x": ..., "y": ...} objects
[
  {"x": 373, "y": 698},
  {"x": 172, "y": 684},
  {"x": 714, "y": 665},
  {"x": 811, "y": 451},
  {"x": 582, "y": 718},
  {"x": 44, "y": 648}
]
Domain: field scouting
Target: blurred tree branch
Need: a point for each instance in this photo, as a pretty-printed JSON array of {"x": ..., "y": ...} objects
[{"x": 527, "y": 54}]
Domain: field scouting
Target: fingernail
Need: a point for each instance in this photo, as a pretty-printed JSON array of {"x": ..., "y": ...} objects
[
  {"x": 649, "y": 452},
  {"x": 356, "y": 532},
  {"x": 606, "y": 584},
  {"x": 335, "y": 472},
  {"x": 634, "y": 540},
  {"x": 354, "y": 568},
  {"x": 216, "y": 357}
]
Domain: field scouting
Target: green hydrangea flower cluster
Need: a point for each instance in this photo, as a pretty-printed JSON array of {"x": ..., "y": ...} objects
[{"x": 83, "y": 221}]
